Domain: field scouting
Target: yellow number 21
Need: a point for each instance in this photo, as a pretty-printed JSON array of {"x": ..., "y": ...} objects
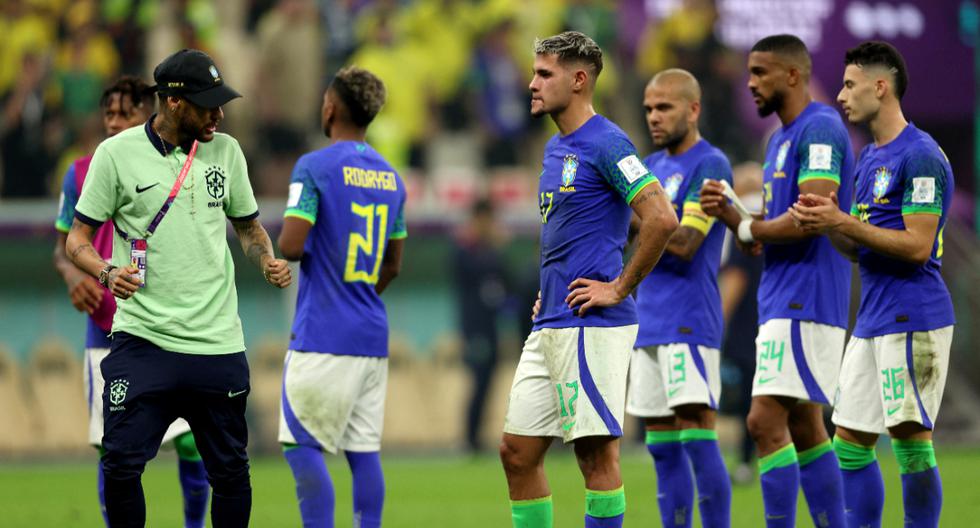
[{"x": 365, "y": 243}]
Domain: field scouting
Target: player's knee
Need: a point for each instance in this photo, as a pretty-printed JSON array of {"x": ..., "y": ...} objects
[
  {"x": 696, "y": 416},
  {"x": 117, "y": 466},
  {"x": 231, "y": 483},
  {"x": 515, "y": 459},
  {"x": 759, "y": 425}
]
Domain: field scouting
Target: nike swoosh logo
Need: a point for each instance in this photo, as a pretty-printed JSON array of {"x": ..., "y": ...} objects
[
  {"x": 894, "y": 410},
  {"x": 233, "y": 394},
  {"x": 775, "y": 516},
  {"x": 673, "y": 391},
  {"x": 147, "y": 188},
  {"x": 763, "y": 381},
  {"x": 568, "y": 426}
]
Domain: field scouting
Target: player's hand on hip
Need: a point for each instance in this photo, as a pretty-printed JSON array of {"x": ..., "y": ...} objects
[
  {"x": 277, "y": 273},
  {"x": 813, "y": 213},
  {"x": 713, "y": 201},
  {"x": 123, "y": 282},
  {"x": 587, "y": 293},
  {"x": 536, "y": 309},
  {"x": 85, "y": 293}
]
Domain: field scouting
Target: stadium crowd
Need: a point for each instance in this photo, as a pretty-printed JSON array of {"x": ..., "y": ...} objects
[{"x": 458, "y": 68}]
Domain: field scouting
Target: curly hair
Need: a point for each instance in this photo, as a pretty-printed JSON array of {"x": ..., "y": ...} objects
[
  {"x": 572, "y": 46},
  {"x": 361, "y": 92},
  {"x": 129, "y": 86}
]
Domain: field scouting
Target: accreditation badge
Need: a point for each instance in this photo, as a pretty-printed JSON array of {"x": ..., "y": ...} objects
[{"x": 137, "y": 254}]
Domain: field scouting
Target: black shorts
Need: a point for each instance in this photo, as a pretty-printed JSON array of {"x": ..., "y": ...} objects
[{"x": 147, "y": 388}]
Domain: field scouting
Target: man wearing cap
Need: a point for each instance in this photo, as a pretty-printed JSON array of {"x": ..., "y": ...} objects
[{"x": 177, "y": 346}]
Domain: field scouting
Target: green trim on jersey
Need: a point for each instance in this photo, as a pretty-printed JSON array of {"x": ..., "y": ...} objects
[
  {"x": 298, "y": 213},
  {"x": 782, "y": 457},
  {"x": 643, "y": 183},
  {"x": 692, "y": 435},
  {"x": 604, "y": 504},
  {"x": 189, "y": 303},
  {"x": 806, "y": 176},
  {"x": 921, "y": 209}
]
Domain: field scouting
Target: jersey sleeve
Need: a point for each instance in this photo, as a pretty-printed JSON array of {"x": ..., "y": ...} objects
[
  {"x": 821, "y": 152},
  {"x": 925, "y": 184},
  {"x": 399, "y": 230},
  {"x": 67, "y": 201},
  {"x": 97, "y": 202},
  {"x": 712, "y": 168},
  {"x": 240, "y": 204},
  {"x": 304, "y": 198},
  {"x": 622, "y": 168}
]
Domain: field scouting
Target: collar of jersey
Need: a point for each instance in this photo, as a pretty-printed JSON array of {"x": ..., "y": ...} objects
[{"x": 163, "y": 146}]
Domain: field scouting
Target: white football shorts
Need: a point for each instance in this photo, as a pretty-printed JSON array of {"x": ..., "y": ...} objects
[
  {"x": 665, "y": 376},
  {"x": 798, "y": 359}
]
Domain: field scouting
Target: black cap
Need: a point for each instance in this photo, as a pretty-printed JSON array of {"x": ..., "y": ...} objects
[{"x": 191, "y": 74}]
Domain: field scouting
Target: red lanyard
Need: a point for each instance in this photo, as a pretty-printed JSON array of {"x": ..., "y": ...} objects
[{"x": 173, "y": 191}]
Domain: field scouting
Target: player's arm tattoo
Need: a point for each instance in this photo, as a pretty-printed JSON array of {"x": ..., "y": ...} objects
[
  {"x": 657, "y": 223},
  {"x": 80, "y": 250},
  {"x": 255, "y": 241},
  {"x": 685, "y": 242}
]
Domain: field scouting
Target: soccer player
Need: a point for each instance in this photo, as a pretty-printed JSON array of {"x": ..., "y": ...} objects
[
  {"x": 804, "y": 290},
  {"x": 895, "y": 366},
  {"x": 177, "y": 348},
  {"x": 345, "y": 223},
  {"x": 675, "y": 378},
  {"x": 571, "y": 379},
  {"x": 125, "y": 104}
]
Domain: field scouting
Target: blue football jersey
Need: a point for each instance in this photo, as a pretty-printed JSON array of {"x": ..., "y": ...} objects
[
  {"x": 355, "y": 201},
  {"x": 910, "y": 175},
  {"x": 807, "y": 280},
  {"x": 589, "y": 178},
  {"x": 678, "y": 302}
]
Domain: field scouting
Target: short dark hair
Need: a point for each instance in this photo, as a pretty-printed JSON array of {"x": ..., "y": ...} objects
[
  {"x": 572, "y": 46},
  {"x": 361, "y": 92},
  {"x": 786, "y": 45},
  {"x": 128, "y": 85},
  {"x": 883, "y": 54}
]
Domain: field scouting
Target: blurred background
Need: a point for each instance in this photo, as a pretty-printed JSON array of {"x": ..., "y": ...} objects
[{"x": 457, "y": 127}]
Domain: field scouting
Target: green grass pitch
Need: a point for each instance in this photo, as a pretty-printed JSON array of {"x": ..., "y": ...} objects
[{"x": 428, "y": 491}]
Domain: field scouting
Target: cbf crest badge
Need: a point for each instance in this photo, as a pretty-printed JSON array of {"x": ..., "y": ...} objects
[
  {"x": 568, "y": 169},
  {"x": 672, "y": 184},
  {"x": 117, "y": 391},
  {"x": 882, "y": 180},
  {"x": 781, "y": 155},
  {"x": 214, "y": 177}
]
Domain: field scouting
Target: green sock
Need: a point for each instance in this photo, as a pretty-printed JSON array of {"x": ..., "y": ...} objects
[
  {"x": 532, "y": 513},
  {"x": 853, "y": 457},
  {"x": 914, "y": 456},
  {"x": 604, "y": 504}
]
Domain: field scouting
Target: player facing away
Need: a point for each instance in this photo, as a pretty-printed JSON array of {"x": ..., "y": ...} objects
[
  {"x": 804, "y": 290},
  {"x": 895, "y": 366},
  {"x": 125, "y": 104},
  {"x": 571, "y": 379},
  {"x": 344, "y": 222},
  {"x": 675, "y": 376}
]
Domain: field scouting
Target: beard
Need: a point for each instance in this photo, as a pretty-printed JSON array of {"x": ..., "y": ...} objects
[
  {"x": 673, "y": 138},
  {"x": 771, "y": 105}
]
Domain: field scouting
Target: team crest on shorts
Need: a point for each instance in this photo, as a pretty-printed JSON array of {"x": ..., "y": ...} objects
[
  {"x": 672, "y": 184},
  {"x": 214, "y": 177},
  {"x": 117, "y": 393},
  {"x": 568, "y": 169},
  {"x": 882, "y": 179}
]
